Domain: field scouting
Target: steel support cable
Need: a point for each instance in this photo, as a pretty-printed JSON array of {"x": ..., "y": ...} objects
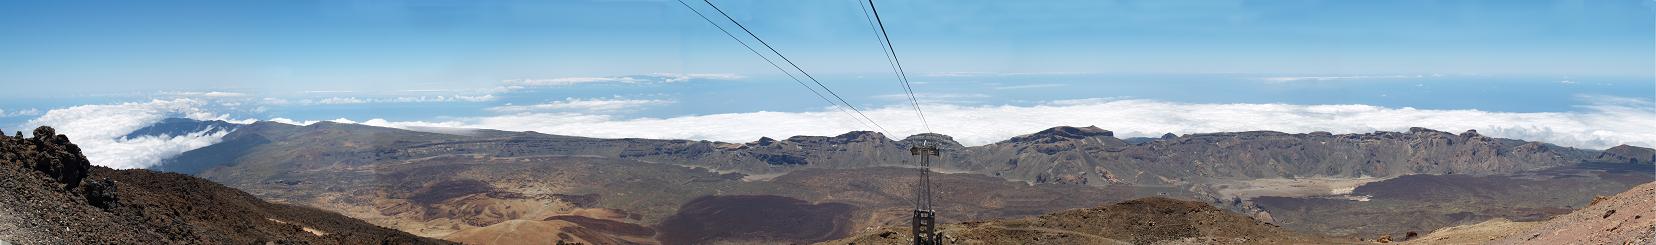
[
  {"x": 796, "y": 66},
  {"x": 899, "y": 63},
  {"x": 773, "y": 64},
  {"x": 895, "y": 71}
]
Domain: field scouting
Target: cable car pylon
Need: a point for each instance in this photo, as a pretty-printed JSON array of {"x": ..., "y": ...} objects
[{"x": 925, "y": 218}]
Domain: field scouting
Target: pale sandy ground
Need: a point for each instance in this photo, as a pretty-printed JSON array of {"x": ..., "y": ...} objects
[
  {"x": 514, "y": 232},
  {"x": 1479, "y": 233},
  {"x": 1301, "y": 187}
]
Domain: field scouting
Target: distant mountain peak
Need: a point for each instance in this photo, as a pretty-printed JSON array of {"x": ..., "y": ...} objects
[
  {"x": 942, "y": 141},
  {"x": 764, "y": 141},
  {"x": 1421, "y": 130},
  {"x": 861, "y": 135},
  {"x": 1471, "y": 133},
  {"x": 1063, "y": 133},
  {"x": 183, "y": 126},
  {"x": 1628, "y": 153}
]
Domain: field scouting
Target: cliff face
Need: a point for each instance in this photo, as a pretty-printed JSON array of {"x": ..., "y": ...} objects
[
  {"x": 1068, "y": 155},
  {"x": 50, "y": 194},
  {"x": 1093, "y": 156},
  {"x": 1251, "y": 155}
]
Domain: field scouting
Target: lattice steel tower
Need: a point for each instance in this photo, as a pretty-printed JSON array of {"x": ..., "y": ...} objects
[{"x": 925, "y": 219}]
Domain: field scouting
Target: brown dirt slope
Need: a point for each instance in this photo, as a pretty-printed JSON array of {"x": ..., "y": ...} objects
[
  {"x": 1622, "y": 219},
  {"x": 562, "y": 229},
  {"x": 50, "y": 194},
  {"x": 1153, "y": 220},
  {"x": 1626, "y": 218},
  {"x": 1479, "y": 233}
]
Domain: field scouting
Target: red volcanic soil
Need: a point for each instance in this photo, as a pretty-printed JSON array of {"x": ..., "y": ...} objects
[{"x": 755, "y": 218}]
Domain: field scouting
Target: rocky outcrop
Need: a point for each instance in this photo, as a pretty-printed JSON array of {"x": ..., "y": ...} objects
[
  {"x": 49, "y": 153},
  {"x": 50, "y": 194}
]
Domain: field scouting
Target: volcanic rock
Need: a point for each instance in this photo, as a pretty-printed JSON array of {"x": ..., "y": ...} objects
[{"x": 50, "y": 194}]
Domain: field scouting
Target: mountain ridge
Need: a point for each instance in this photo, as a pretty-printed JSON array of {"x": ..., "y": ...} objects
[{"x": 1063, "y": 153}]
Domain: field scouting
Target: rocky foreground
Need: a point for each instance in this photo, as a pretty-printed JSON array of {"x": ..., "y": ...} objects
[
  {"x": 1626, "y": 218},
  {"x": 50, "y": 194}
]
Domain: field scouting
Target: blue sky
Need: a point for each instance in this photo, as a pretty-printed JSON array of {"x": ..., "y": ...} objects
[
  {"x": 275, "y": 46},
  {"x": 1576, "y": 72}
]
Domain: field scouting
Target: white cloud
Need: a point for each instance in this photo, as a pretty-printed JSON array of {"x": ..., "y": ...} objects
[
  {"x": 613, "y": 104},
  {"x": 24, "y": 112},
  {"x": 1072, "y": 102},
  {"x": 1333, "y": 78},
  {"x": 404, "y": 99},
  {"x": 673, "y": 78},
  {"x": 377, "y": 122},
  {"x": 222, "y": 94},
  {"x": 284, "y": 120},
  {"x": 209, "y": 94},
  {"x": 633, "y": 79},
  {"x": 1605, "y": 122},
  {"x": 99, "y": 129},
  {"x": 275, "y": 101},
  {"x": 341, "y": 101},
  {"x": 440, "y": 98}
]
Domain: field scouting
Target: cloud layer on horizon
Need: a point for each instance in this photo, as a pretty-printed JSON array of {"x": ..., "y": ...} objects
[
  {"x": 630, "y": 79},
  {"x": 99, "y": 130},
  {"x": 612, "y": 104},
  {"x": 1605, "y": 122},
  {"x": 1601, "y": 123}
]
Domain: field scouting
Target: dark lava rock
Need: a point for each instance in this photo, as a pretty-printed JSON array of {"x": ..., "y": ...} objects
[
  {"x": 100, "y": 193},
  {"x": 57, "y": 158},
  {"x": 777, "y": 219},
  {"x": 50, "y": 154}
]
